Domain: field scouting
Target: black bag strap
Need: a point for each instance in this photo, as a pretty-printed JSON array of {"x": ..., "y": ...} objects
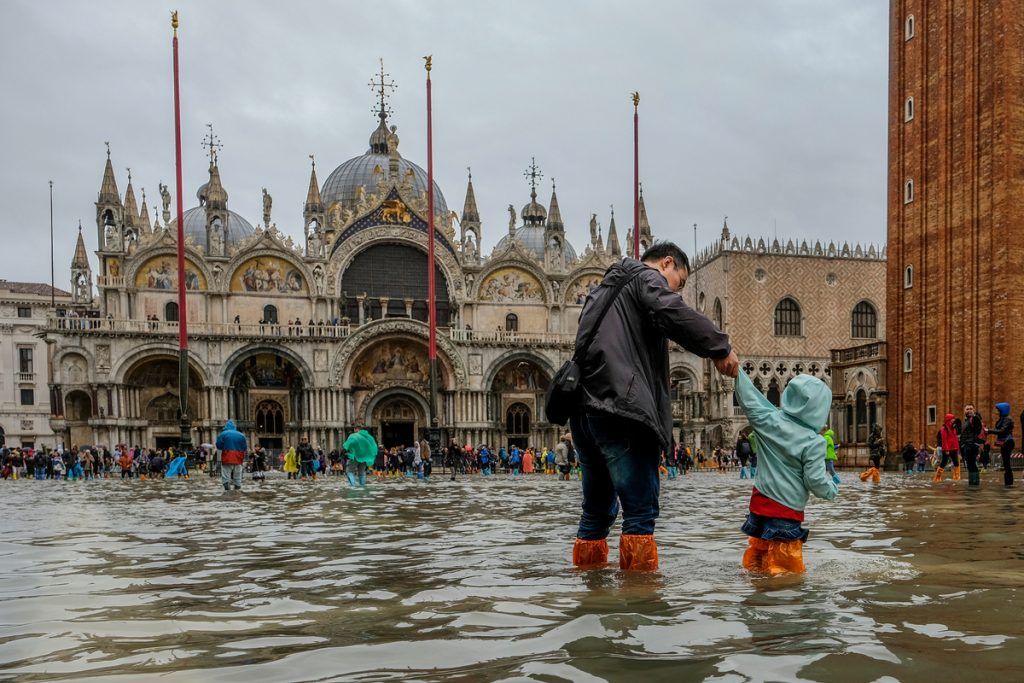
[{"x": 582, "y": 349}]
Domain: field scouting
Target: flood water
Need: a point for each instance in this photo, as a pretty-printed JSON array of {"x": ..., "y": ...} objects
[{"x": 472, "y": 581}]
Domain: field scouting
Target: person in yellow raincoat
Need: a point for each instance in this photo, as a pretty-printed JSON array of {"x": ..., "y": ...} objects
[{"x": 291, "y": 463}]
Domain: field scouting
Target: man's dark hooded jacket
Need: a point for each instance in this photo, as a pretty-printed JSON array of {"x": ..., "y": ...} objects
[{"x": 626, "y": 371}]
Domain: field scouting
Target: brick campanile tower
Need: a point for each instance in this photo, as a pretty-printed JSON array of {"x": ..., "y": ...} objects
[{"x": 955, "y": 273}]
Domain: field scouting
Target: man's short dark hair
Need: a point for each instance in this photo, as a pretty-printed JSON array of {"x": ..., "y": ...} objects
[{"x": 660, "y": 250}]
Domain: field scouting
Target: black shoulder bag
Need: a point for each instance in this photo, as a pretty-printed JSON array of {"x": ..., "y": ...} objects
[{"x": 563, "y": 395}]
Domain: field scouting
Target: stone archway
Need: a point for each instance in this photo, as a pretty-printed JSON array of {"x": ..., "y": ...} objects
[
  {"x": 266, "y": 399},
  {"x": 516, "y": 401},
  {"x": 151, "y": 391},
  {"x": 397, "y": 418}
]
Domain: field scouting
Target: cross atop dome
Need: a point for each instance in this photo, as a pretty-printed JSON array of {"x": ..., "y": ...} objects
[
  {"x": 211, "y": 143},
  {"x": 534, "y": 174},
  {"x": 380, "y": 86}
]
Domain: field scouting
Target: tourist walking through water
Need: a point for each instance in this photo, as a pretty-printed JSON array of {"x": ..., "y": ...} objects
[
  {"x": 1004, "y": 440},
  {"x": 625, "y": 420},
  {"x": 232, "y": 446},
  {"x": 970, "y": 442},
  {"x": 949, "y": 442}
]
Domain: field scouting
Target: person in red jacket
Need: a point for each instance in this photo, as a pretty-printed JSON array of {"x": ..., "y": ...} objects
[{"x": 949, "y": 440}]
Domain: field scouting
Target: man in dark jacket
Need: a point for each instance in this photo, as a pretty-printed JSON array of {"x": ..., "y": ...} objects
[
  {"x": 625, "y": 420},
  {"x": 306, "y": 457}
]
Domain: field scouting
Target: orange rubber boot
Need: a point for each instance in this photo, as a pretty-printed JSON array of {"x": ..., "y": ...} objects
[
  {"x": 590, "y": 554},
  {"x": 753, "y": 557},
  {"x": 774, "y": 557},
  {"x": 956, "y": 473},
  {"x": 938, "y": 474},
  {"x": 876, "y": 476},
  {"x": 638, "y": 552}
]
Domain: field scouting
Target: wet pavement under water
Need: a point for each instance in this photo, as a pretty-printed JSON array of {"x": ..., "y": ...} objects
[{"x": 471, "y": 581}]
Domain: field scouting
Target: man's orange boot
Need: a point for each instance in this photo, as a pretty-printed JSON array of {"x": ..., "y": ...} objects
[
  {"x": 590, "y": 554},
  {"x": 638, "y": 552}
]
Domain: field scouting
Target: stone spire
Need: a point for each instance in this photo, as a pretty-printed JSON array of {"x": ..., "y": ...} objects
[
  {"x": 81, "y": 273},
  {"x": 131, "y": 209},
  {"x": 554, "y": 234},
  {"x": 108, "y": 188},
  {"x": 109, "y": 212},
  {"x": 469, "y": 225},
  {"x": 646, "y": 238},
  {"x": 216, "y": 205},
  {"x": 81, "y": 257},
  {"x": 554, "y": 213},
  {"x": 469, "y": 210},
  {"x": 143, "y": 221},
  {"x": 725, "y": 229},
  {"x": 216, "y": 195},
  {"x": 314, "y": 204},
  {"x": 613, "y": 237},
  {"x": 314, "y": 217}
]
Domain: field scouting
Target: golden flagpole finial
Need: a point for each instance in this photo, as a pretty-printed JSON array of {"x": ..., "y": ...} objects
[
  {"x": 174, "y": 22},
  {"x": 427, "y": 63},
  {"x": 636, "y": 98}
]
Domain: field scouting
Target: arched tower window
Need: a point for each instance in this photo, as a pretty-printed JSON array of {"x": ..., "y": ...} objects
[
  {"x": 909, "y": 27},
  {"x": 908, "y": 277},
  {"x": 511, "y": 322},
  {"x": 864, "y": 323},
  {"x": 171, "y": 311},
  {"x": 787, "y": 318},
  {"x": 908, "y": 191},
  {"x": 908, "y": 109},
  {"x": 908, "y": 360}
]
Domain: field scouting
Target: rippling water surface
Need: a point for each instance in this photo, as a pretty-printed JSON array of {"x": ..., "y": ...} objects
[{"x": 471, "y": 581}]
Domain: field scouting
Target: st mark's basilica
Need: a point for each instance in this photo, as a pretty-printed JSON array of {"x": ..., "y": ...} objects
[{"x": 324, "y": 336}]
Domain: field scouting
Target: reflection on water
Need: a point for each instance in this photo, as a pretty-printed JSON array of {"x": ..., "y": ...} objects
[{"x": 470, "y": 581}]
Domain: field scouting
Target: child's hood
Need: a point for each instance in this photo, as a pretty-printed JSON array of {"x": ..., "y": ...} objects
[
  {"x": 807, "y": 400},
  {"x": 1003, "y": 408}
]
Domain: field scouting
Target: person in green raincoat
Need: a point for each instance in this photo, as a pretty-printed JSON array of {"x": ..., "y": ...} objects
[{"x": 362, "y": 451}]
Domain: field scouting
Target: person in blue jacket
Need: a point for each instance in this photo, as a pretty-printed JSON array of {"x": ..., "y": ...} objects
[
  {"x": 232, "y": 446},
  {"x": 485, "y": 460},
  {"x": 515, "y": 460},
  {"x": 792, "y": 467}
]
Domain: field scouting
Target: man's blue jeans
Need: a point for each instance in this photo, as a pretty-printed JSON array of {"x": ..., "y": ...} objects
[{"x": 619, "y": 459}]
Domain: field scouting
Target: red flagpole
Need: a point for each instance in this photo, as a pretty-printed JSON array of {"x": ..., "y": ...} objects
[
  {"x": 186, "y": 423},
  {"x": 636, "y": 176},
  {"x": 182, "y": 318},
  {"x": 430, "y": 223},
  {"x": 433, "y": 433}
]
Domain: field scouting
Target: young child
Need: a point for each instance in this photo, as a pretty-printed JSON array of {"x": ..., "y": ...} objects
[{"x": 792, "y": 466}]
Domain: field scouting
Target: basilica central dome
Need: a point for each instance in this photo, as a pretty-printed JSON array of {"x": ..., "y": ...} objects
[{"x": 342, "y": 185}]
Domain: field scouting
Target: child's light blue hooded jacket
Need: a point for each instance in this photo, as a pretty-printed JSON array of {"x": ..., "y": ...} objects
[{"x": 791, "y": 452}]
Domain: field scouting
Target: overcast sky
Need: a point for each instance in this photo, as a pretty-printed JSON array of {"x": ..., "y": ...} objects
[{"x": 770, "y": 112}]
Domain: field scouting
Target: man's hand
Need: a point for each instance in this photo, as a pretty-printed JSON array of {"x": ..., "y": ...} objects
[{"x": 728, "y": 366}]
